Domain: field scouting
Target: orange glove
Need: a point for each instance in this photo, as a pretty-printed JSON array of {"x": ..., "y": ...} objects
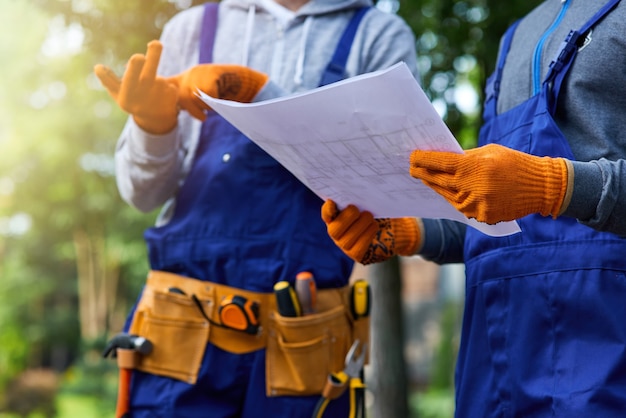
[
  {"x": 230, "y": 82},
  {"x": 494, "y": 183},
  {"x": 368, "y": 240},
  {"x": 151, "y": 100}
]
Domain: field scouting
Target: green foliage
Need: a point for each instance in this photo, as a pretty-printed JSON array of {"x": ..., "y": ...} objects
[
  {"x": 92, "y": 377},
  {"x": 433, "y": 404},
  {"x": 442, "y": 377},
  {"x": 32, "y": 392},
  {"x": 57, "y": 137},
  {"x": 116, "y": 29},
  {"x": 457, "y": 43},
  {"x": 73, "y": 406}
]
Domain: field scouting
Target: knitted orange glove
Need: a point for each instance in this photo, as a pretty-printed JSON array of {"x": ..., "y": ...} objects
[
  {"x": 151, "y": 100},
  {"x": 368, "y": 240},
  {"x": 494, "y": 183},
  {"x": 230, "y": 82}
]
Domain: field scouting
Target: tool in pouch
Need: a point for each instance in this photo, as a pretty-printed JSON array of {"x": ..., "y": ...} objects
[
  {"x": 306, "y": 291},
  {"x": 126, "y": 348},
  {"x": 360, "y": 299},
  {"x": 287, "y": 301},
  {"x": 297, "y": 300},
  {"x": 235, "y": 312},
  {"x": 350, "y": 376}
]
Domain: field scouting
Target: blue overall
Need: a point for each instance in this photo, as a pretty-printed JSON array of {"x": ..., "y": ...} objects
[
  {"x": 241, "y": 220},
  {"x": 544, "y": 330}
]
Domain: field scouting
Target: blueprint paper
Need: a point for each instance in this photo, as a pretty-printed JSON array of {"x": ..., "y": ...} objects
[{"x": 351, "y": 141}]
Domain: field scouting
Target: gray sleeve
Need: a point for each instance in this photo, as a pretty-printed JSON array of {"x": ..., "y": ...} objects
[
  {"x": 270, "y": 90},
  {"x": 443, "y": 241},
  {"x": 149, "y": 168},
  {"x": 388, "y": 40},
  {"x": 599, "y": 195}
]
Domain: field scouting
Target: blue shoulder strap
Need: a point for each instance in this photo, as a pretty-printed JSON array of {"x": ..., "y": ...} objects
[
  {"x": 492, "y": 87},
  {"x": 567, "y": 52},
  {"x": 207, "y": 32},
  {"x": 336, "y": 68}
]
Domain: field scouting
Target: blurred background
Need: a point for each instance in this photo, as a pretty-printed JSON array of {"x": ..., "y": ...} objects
[{"x": 72, "y": 256}]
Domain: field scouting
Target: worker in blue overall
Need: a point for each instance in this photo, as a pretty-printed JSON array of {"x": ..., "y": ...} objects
[
  {"x": 543, "y": 333},
  {"x": 234, "y": 222}
]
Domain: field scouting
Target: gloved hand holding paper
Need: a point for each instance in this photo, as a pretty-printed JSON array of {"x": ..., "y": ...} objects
[{"x": 351, "y": 142}]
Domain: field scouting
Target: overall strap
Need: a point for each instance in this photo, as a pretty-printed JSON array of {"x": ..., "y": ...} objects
[
  {"x": 207, "y": 34},
  {"x": 565, "y": 56},
  {"x": 492, "y": 88},
  {"x": 335, "y": 70}
]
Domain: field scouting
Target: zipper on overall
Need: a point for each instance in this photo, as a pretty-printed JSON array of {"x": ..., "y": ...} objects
[{"x": 539, "y": 48}]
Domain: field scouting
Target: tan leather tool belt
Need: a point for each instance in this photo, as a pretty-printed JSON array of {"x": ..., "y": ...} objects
[{"x": 301, "y": 351}]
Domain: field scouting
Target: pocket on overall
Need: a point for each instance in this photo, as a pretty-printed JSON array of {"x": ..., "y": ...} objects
[
  {"x": 178, "y": 331},
  {"x": 302, "y": 351}
]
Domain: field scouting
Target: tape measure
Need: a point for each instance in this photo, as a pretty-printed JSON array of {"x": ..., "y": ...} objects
[{"x": 239, "y": 313}]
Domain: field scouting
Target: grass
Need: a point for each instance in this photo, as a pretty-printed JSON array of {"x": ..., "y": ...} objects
[{"x": 72, "y": 406}]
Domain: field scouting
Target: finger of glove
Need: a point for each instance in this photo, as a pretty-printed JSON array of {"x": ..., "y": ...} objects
[
  {"x": 443, "y": 186},
  {"x": 109, "y": 80},
  {"x": 446, "y": 162},
  {"x": 361, "y": 233},
  {"x": 329, "y": 211},
  {"x": 130, "y": 88},
  {"x": 153, "y": 56},
  {"x": 473, "y": 204},
  {"x": 175, "y": 80},
  {"x": 434, "y": 178},
  {"x": 345, "y": 220},
  {"x": 190, "y": 102},
  {"x": 195, "y": 109},
  {"x": 362, "y": 247}
]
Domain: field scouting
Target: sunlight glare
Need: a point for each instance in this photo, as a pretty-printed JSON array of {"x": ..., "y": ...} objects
[{"x": 62, "y": 39}]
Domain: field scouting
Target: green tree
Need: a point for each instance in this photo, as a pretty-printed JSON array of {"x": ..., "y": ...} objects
[
  {"x": 65, "y": 236},
  {"x": 457, "y": 45}
]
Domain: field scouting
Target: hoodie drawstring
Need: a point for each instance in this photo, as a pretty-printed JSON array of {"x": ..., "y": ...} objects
[
  {"x": 299, "y": 70},
  {"x": 297, "y": 78},
  {"x": 248, "y": 35}
]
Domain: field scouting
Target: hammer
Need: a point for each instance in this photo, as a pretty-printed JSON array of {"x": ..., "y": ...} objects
[{"x": 125, "y": 347}]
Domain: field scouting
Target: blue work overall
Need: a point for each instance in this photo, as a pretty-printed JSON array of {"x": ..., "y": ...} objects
[
  {"x": 544, "y": 331},
  {"x": 244, "y": 221}
]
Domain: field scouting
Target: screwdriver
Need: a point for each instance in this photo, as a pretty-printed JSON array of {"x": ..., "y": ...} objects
[
  {"x": 306, "y": 290},
  {"x": 286, "y": 299},
  {"x": 360, "y": 299}
]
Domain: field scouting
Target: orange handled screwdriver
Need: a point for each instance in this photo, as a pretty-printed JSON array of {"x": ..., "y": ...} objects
[{"x": 306, "y": 291}]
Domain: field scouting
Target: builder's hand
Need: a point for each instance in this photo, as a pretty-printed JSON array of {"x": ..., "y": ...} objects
[
  {"x": 229, "y": 82},
  {"x": 494, "y": 183},
  {"x": 151, "y": 100},
  {"x": 368, "y": 240}
]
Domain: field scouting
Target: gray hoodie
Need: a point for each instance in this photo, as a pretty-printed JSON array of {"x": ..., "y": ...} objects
[{"x": 293, "y": 49}]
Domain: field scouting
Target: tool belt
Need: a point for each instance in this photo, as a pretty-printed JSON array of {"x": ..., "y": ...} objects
[{"x": 179, "y": 315}]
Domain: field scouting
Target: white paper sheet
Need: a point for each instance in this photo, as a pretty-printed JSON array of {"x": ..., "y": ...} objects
[{"x": 351, "y": 141}]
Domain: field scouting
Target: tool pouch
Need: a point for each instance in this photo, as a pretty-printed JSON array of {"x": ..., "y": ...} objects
[
  {"x": 176, "y": 327},
  {"x": 303, "y": 351}
]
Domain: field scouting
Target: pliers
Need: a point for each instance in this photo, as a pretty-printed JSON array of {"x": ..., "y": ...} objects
[{"x": 351, "y": 376}]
